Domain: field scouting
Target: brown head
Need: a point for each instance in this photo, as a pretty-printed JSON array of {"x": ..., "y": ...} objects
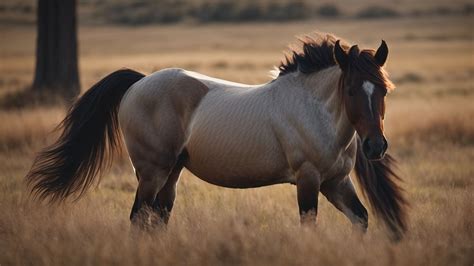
[{"x": 364, "y": 85}]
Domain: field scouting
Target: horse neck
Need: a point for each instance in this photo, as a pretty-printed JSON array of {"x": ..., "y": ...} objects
[{"x": 324, "y": 86}]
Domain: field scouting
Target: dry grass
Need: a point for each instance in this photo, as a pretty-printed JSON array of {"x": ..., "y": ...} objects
[{"x": 429, "y": 124}]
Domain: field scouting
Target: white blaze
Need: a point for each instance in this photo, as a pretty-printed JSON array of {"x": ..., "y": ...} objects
[{"x": 369, "y": 89}]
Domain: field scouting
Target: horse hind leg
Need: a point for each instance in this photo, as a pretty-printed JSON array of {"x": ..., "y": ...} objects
[
  {"x": 157, "y": 170},
  {"x": 164, "y": 201},
  {"x": 343, "y": 196},
  {"x": 151, "y": 179}
]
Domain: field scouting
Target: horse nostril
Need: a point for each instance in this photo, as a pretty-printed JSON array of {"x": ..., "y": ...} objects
[{"x": 374, "y": 148}]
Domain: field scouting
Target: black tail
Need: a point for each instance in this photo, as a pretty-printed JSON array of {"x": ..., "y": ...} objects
[
  {"x": 379, "y": 183},
  {"x": 90, "y": 135}
]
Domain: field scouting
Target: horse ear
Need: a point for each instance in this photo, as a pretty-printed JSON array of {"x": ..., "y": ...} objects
[
  {"x": 381, "y": 54},
  {"x": 354, "y": 51},
  {"x": 342, "y": 59}
]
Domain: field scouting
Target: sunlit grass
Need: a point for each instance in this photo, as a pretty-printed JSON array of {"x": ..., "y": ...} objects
[{"x": 429, "y": 126}]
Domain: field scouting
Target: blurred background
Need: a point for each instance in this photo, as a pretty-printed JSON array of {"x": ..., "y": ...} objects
[{"x": 429, "y": 123}]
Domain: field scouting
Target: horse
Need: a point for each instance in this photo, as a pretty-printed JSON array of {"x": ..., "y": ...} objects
[{"x": 321, "y": 116}]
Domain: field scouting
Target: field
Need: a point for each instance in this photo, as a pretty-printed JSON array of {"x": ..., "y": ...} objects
[{"x": 429, "y": 123}]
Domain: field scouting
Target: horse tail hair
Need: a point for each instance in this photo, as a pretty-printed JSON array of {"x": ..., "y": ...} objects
[
  {"x": 89, "y": 138},
  {"x": 380, "y": 186}
]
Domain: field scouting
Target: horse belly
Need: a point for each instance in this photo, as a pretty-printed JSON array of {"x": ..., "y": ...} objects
[
  {"x": 228, "y": 163},
  {"x": 227, "y": 176}
]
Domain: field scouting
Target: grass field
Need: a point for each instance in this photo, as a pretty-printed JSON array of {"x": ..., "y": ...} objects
[{"x": 429, "y": 123}]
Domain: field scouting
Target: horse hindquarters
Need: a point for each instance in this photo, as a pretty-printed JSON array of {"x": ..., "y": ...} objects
[{"x": 154, "y": 117}]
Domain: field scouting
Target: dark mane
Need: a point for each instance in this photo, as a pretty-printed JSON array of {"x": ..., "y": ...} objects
[
  {"x": 380, "y": 184},
  {"x": 317, "y": 53}
]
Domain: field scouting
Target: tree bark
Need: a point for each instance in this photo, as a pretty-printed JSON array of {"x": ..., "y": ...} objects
[{"x": 56, "y": 49}]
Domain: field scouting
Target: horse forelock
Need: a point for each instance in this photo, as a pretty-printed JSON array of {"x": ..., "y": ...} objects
[{"x": 365, "y": 67}]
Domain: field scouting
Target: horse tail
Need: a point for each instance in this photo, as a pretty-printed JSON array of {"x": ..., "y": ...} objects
[
  {"x": 379, "y": 183},
  {"x": 89, "y": 138}
]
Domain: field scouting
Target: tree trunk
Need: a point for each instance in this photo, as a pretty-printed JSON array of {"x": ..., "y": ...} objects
[{"x": 56, "y": 51}]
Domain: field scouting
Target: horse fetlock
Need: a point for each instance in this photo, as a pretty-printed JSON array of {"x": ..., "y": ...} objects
[
  {"x": 146, "y": 219},
  {"x": 308, "y": 217}
]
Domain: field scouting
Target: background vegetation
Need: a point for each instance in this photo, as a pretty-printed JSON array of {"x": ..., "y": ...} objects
[
  {"x": 140, "y": 12},
  {"x": 429, "y": 123}
]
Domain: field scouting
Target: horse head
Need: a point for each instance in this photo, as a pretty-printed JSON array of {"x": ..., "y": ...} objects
[{"x": 364, "y": 86}]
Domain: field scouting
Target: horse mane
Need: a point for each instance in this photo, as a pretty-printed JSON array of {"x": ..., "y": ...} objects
[
  {"x": 317, "y": 53},
  {"x": 380, "y": 185}
]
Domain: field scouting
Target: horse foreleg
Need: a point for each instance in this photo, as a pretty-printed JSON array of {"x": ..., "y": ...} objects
[
  {"x": 307, "y": 185},
  {"x": 343, "y": 196}
]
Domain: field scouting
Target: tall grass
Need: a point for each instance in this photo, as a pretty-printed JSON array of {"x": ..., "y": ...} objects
[{"x": 430, "y": 133}]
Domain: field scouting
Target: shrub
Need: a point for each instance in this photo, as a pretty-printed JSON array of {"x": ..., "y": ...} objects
[
  {"x": 144, "y": 12},
  {"x": 328, "y": 10},
  {"x": 443, "y": 11},
  {"x": 169, "y": 11},
  {"x": 297, "y": 10},
  {"x": 251, "y": 11},
  {"x": 215, "y": 11},
  {"x": 377, "y": 12},
  {"x": 468, "y": 9}
]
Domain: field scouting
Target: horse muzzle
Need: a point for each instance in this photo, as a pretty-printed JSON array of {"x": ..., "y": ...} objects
[{"x": 374, "y": 148}]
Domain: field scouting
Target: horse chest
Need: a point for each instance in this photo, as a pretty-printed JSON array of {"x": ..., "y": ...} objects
[
  {"x": 320, "y": 146},
  {"x": 343, "y": 164},
  {"x": 341, "y": 168}
]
